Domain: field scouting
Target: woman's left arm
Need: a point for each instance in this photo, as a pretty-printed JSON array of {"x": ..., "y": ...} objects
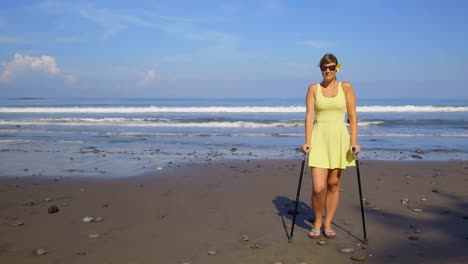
[{"x": 352, "y": 116}]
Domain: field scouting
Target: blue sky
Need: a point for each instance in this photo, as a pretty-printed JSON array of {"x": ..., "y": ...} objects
[{"x": 257, "y": 48}]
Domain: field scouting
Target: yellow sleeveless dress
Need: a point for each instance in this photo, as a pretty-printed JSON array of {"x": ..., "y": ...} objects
[{"x": 330, "y": 137}]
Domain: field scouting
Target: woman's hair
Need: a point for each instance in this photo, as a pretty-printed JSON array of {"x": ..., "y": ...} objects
[{"x": 328, "y": 58}]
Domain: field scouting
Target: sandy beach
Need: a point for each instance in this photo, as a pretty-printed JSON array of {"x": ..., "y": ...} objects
[{"x": 180, "y": 214}]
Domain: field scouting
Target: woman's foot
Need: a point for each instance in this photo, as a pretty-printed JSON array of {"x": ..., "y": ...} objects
[
  {"x": 314, "y": 233},
  {"x": 329, "y": 233}
]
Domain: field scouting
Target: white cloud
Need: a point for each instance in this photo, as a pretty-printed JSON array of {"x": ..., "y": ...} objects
[
  {"x": 149, "y": 78},
  {"x": 44, "y": 64},
  {"x": 316, "y": 43}
]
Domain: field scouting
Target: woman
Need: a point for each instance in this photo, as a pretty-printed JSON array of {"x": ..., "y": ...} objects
[{"x": 328, "y": 142}]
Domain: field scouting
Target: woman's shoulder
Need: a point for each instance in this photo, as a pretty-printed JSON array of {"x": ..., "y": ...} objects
[
  {"x": 346, "y": 86},
  {"x": 313, "y": 87}
]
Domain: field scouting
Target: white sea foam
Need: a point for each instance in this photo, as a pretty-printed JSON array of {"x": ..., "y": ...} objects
[
  {"x": 141, "y": 122},
  {"x": 224, "y": 109}
]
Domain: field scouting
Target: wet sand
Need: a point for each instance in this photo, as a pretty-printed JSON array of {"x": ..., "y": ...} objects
[{"x": 178, "y": 214}]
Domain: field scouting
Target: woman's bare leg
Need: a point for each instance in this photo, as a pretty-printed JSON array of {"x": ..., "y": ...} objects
[
  {"x": 319, "y": 185},
  {"x": 332, "y": 197}
]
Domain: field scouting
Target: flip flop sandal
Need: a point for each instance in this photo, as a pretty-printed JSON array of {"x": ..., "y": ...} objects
[
  {"x": 314, "y": 234},
  {"x": 329, "y": 233}
]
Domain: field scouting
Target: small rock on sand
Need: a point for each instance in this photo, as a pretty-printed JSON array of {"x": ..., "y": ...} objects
[
  {"x": 88, "y": 219},
  {"x": 53, "y": 209},
  {"x": 17, "y": 224},
  {"x": 41, "y": 251},
  {"x": 92, "y": 236},
  {"x": 244, "y": 238},
  {"x": 417, "y": 210},
  {"x": 404, "y": 200},
  {"x": 413, "y": 237},
  {"x": 346, "y": 250},
  {"x": 212, "y": 252},
  {"x": 322, "y": 242},
  {"x": 359, "y": 257},
  {"x": 98, "y": 219}
]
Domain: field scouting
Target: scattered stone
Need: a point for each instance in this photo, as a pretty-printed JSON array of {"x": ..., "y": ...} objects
[
  {"x": 81, "y": 253},
  {"x": 245, "y": 238},
  {"x": 255, "y": 246},
  {"x": 105, "y": 205},
  {"x": 413, "y": 237},
  {"x": 375, "y": 209},
  {"x": 360, "y": 257},
  {"x": 17, "y": 224},
  {"x": 233, "y": 150},
  {"x": 435, "y": 190},
  {"x": 30, "y": 203},
  {"x": 322, "y": 242},
  {"x": 88, "y": 219},
  {"x": 98, "y": 219},
  {"x": 404, "y": 200},
  {"x": 92, "y": 236},
  {"x": 47, "y": 200},
  {"x": 41, "y": 251},
  {"x": 53, "y": 209},
  {"x": 423, "y": 199},
  {"x": 417, "y": 210},
  {"x": 346, "y": 250},
  {"x": 212, "y": 252},
  {"x": 416, "y": 156}
]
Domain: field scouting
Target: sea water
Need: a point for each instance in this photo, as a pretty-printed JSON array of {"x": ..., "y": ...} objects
[{"x": 40, "y": 136}]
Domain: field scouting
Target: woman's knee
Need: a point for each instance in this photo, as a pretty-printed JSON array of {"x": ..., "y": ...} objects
[
  {"x": 333, "y": 186},
  {"x": 318, "y": 190}
]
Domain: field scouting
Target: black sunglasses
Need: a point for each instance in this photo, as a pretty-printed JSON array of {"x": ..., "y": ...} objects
[{"x": 331, "y": 67}]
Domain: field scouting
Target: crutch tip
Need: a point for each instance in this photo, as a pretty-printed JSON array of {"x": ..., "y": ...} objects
[
  {"x": 290, "y": 240},
  {"x": 365, "y": 241}
]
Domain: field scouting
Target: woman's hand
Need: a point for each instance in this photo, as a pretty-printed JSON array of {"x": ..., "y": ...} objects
[
  {"x": 355, "y": 148},
  {"x": 305, "y": 148}
]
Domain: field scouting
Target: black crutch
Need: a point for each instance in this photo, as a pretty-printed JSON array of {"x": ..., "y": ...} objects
[
  {"x": 295, "y": 213},
  {"x": 360, "y": 194}
]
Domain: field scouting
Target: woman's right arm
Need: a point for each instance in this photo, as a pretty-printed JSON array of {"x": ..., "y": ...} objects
[{"x": 310, "y": 117}]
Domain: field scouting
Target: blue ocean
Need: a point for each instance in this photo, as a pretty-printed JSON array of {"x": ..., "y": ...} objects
[{"x": 129, "y": 136}]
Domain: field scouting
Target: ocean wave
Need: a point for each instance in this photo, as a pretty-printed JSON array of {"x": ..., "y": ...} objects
[
  {"x": 454, "y": 134},
  {"x": 155, "y": 122},
  {"x": 224, "y": 109}
]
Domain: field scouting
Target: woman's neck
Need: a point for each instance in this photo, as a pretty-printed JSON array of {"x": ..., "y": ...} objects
[{"x": 328, "y": 83}]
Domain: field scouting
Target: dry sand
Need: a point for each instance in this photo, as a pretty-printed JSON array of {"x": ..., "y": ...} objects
[{"x": 178, "y": 214}]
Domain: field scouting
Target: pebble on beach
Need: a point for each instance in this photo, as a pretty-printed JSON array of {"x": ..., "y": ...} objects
[
  {"x": 212, "y": 252},
  {"x": 244, "y": 238},
  {"x": 41, "y": 251},
  {"x": 322, "y": 242},
  {"x": 88, "y": 219},
  {"x": 404, "y": 200},
  {"x": 346, "y": 250},
  {"x": 53, "y": 209},
  {"x": 360, "y": 257}
]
